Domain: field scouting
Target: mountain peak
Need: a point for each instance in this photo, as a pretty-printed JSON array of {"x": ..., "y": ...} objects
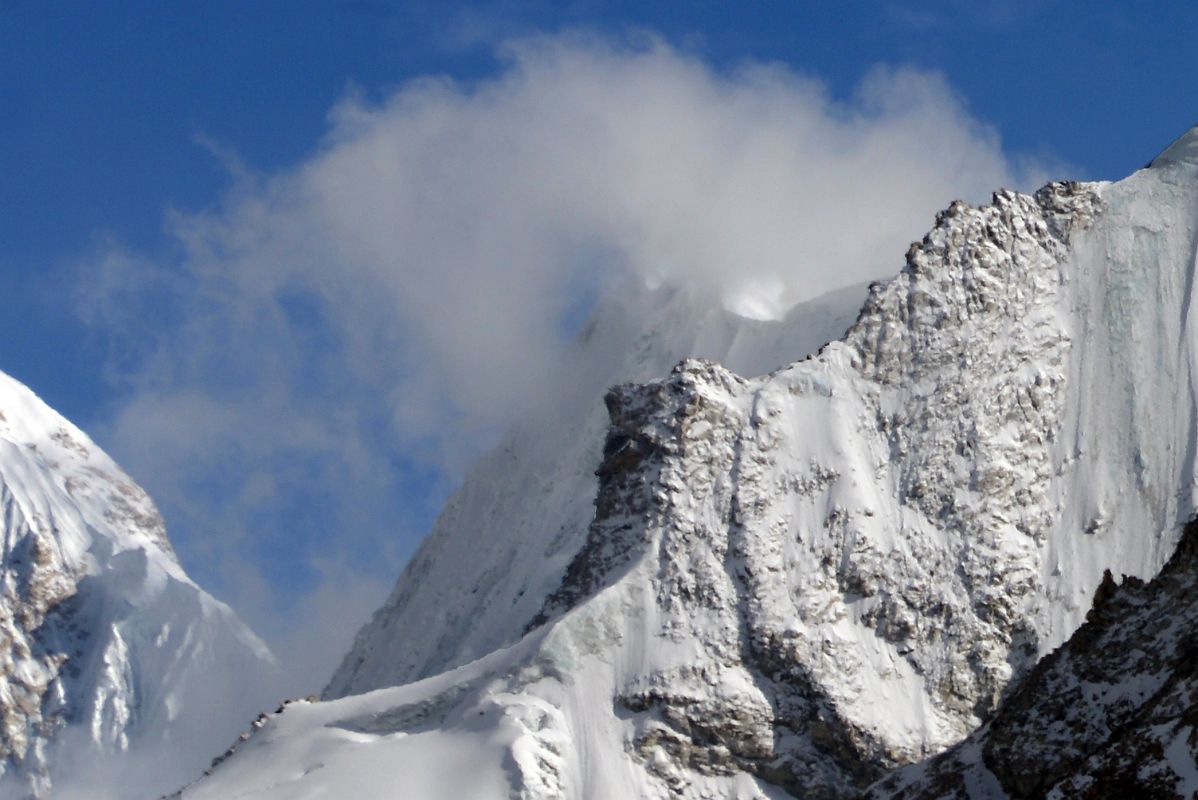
[
  {"x": 1183, "y": 150},
  {"x": 794, "y": 583},
  {"x": 107, "y": 648},
  {"x": 38, "y": 442}
]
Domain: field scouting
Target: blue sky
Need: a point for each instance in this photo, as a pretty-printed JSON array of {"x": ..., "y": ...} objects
[
  {"x": 106, "y": 104},
  {"x": 142, "y": 143}
]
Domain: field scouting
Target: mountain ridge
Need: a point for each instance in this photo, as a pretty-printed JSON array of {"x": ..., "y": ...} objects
[
  {"x": 552, "y": 455},
  {"x": 795, "y": 583}
]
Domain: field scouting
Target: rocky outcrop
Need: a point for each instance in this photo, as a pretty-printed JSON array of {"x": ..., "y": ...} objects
[
  {"x": 506, "y": 536},
  {"x": 1111, "y": 714}
]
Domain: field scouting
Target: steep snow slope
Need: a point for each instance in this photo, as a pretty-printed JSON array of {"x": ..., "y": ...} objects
[
  {"x": 105, "y": 644},
  {"x": 1111, "y": 714},
  {"x": 505, "y": 537},
  {"x": 799, "y": 581}
]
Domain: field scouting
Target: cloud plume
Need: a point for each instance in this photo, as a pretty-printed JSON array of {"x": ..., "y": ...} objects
[{"x": 329, "y": 346}]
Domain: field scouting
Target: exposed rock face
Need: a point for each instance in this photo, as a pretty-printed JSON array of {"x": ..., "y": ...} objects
[
  {"x": 506, "y": 536},
  {"x": 102, "y": 636},
  {"x": 775, "y": 543},
  {"x": 973, "y": 456},
  {"x": 1111, "y": 714},
  {"x": 794, "y": 583}
]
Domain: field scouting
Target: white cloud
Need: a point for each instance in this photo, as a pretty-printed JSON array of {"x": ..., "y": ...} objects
[{"x": 334, "y": 342}]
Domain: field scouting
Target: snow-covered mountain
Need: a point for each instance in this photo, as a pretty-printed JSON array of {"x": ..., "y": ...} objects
[
  {"x": 507, "y": 535},
  {"x": 109, "y": 654},
  {"x": 795, "y": 583}
]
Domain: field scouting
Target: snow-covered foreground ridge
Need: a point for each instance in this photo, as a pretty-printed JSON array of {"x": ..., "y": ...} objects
[
  {"x": 106, "y": 646},
  {"x": 797, "y": 582}
]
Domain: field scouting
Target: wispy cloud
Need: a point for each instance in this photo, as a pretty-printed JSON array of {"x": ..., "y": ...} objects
[
  {"x": 331, "y": 344},
  {"x": 982, "y": 15}
]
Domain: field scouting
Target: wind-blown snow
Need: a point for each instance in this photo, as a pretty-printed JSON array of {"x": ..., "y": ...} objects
[
  {"x": 108, "y": 647},
  {"x": 798, "y": 581}
]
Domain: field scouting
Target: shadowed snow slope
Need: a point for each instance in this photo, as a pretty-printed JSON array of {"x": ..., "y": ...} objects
[
  {"x": 107, "y": 647},
  {"x": 797, "y": 582}
]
